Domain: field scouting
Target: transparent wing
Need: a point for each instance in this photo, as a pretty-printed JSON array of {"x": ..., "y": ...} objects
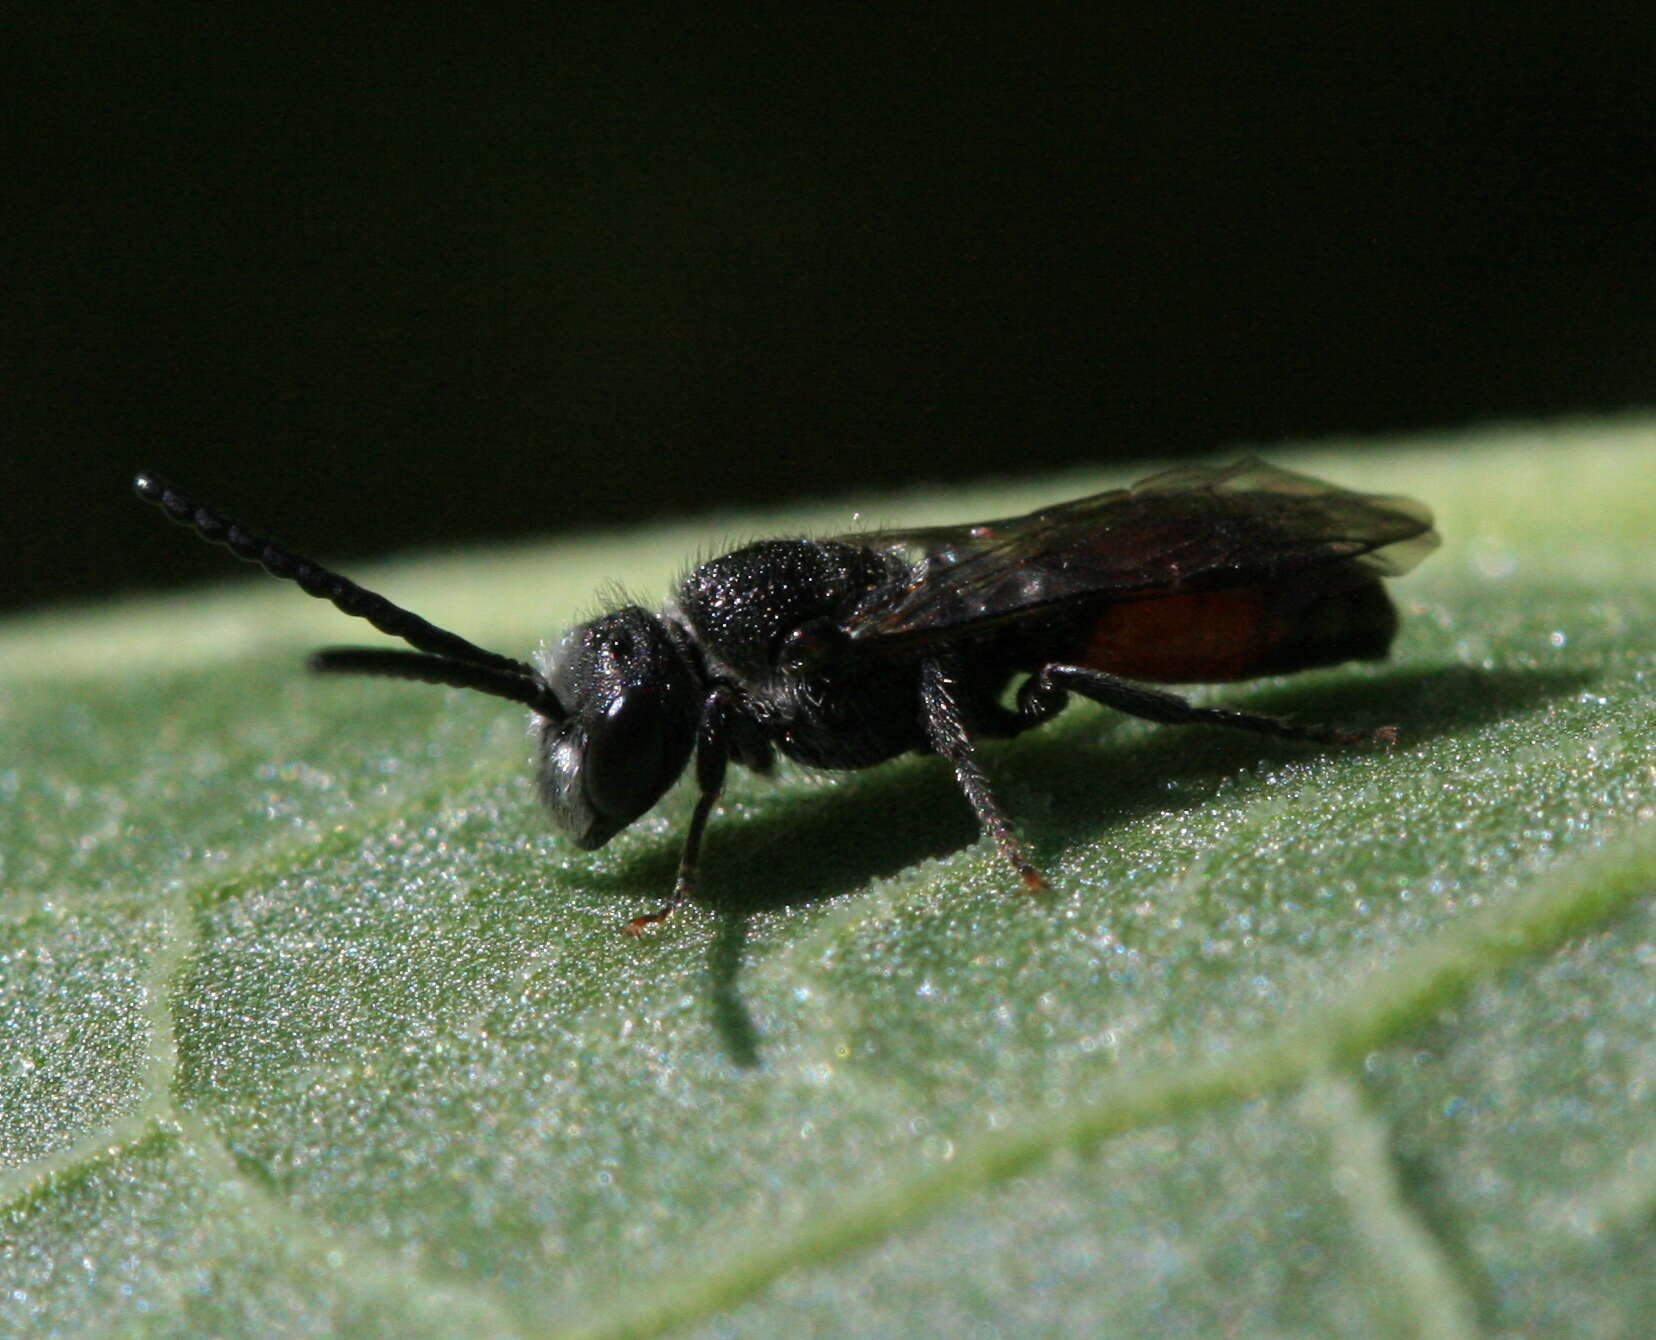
[{"x": 1197, "y": 528}]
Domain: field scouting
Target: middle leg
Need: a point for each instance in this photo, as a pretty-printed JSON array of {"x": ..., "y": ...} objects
[{"x": 943, "y": 705}]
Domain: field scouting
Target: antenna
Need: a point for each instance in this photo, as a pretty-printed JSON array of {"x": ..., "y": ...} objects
[
  {"x": 389, "y": 663},
  {"x": 448, "y": 658}
]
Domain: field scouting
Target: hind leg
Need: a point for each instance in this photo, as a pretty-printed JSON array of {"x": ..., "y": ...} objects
[{"x": 1045, "y": 693}]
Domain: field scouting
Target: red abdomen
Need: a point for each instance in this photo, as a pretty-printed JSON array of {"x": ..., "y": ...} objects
[{"x": 1242, "y": 633}]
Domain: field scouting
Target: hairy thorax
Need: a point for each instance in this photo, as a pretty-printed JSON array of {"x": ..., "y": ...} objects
[{"x": 745, "y": 609}]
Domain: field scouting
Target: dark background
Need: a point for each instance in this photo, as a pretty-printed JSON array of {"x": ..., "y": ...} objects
[{"x": 377, "y": 276}]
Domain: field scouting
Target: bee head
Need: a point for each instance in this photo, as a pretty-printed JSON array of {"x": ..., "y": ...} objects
[{"x": 630, "y": 704}]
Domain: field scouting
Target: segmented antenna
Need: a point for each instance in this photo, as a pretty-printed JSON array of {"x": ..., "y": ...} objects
[
  {"x": 448, "y": 659},
  {"x": 531, "y": 691}
]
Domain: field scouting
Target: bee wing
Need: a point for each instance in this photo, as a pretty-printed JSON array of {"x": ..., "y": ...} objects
[{"x": 1197, "y": 528}]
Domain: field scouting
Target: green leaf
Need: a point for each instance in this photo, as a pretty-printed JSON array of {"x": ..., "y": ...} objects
[{"x": 312, "y": 1025}]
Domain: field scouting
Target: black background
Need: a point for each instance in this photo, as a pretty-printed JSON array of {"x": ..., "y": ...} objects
[{"x": 384, "y": 275}]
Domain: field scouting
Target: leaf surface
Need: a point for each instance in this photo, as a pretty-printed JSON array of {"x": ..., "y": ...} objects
[{"x": 313, "y": 1026}]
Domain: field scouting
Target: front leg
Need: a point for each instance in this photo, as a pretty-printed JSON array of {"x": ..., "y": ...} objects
[
  {"x": 949, "y": 729},
  {"x": 713, "y": 740},
  {"x": 1044, "y": 694}
]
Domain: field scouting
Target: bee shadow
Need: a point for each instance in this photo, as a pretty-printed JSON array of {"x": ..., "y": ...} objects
[{"x": 834, "y": 839}]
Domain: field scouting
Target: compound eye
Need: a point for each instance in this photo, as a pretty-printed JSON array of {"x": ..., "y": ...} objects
[{"x": 628, "y": 763}]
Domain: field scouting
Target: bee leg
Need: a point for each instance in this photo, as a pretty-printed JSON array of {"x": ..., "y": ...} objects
[
  {"x": 1041, "y": 690},
  {"x": 712, "y": 753},
  {"x": 750, "y": 748},
  {"x": 1039, "y": 700},
  {"x": 949, "y": 729}
]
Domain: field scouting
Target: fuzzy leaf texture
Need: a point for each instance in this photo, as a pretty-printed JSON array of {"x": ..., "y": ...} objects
[{"x": 313, "y": 1026}]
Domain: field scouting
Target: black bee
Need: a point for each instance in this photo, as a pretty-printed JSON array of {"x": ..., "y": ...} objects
[{"x": 845, "y": 652}]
